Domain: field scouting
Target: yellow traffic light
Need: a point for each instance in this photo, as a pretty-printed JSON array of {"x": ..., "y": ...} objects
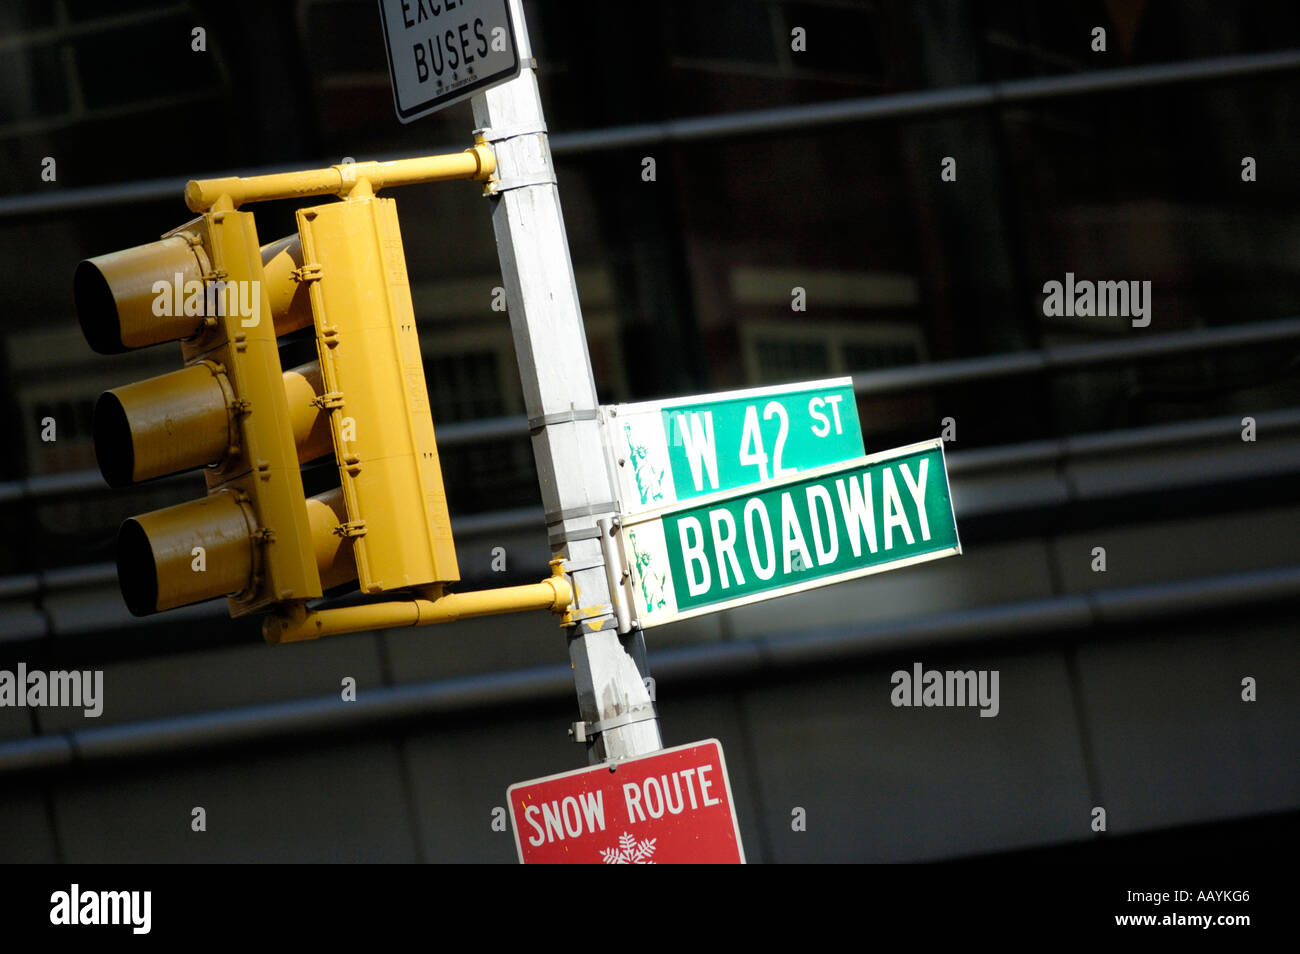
[
  {"x": 231, "y": 410},
  {"x": 376, "y": 395},
  {"x": 234, "y": 412},
  {"x": 162, "y": 291}
]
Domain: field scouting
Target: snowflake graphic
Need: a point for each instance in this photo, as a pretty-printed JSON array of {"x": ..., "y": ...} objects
[{"x": 629, "y": 851}]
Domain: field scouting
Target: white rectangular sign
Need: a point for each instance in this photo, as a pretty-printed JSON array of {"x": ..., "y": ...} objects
[{"x": 441, "y": 51}]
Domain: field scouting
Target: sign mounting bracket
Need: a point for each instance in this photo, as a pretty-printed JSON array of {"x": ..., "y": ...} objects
[{"x": 582, "y": 731}]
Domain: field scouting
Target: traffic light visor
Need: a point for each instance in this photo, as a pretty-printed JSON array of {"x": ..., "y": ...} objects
[{"x": 138, "y": 297}]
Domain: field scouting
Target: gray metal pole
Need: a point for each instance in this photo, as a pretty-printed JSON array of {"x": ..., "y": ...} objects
[{"x": 560, "y": 399}]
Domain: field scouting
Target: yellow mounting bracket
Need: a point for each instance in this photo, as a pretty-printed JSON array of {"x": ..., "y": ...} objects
[
  {"x": 572, "y": 616},
  {"x": 346, "y": 180},
  {"x": 295, "y": 622}
]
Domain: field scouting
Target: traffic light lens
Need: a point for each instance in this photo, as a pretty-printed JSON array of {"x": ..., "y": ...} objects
[
  {"x": 141, "y": 296},
  {"x": 164, "y": 425},
  {"x": 114, "y": 447},
  {"x": 186, "y": 553},
  {"x": 96, "y": 309},
  {"x": 136, "y": 570}
]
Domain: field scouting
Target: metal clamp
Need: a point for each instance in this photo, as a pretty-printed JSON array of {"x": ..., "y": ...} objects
[
  {"x": 616, "y": 574},
  {"x": 497, "y": 186},
  {"x": 584, "y": 731},
  {"x": 553, "y": 517},
  {"x": 502, "y": 133},
  {"x": 328, "y": 401},
  {"x": 561, "y": 417},
  {"x": 557, "y": 538},
  {"x": 575, "y": 615},
  {"x": 570, "y": 566}
]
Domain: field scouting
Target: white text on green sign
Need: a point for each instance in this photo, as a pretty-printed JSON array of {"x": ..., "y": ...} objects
[
  {"x": 832, "y": 524},
  {"x": 667, "y": 451}
]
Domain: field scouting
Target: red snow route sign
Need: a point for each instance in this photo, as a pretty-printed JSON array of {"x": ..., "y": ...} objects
[{"x": 671, "y": 807}]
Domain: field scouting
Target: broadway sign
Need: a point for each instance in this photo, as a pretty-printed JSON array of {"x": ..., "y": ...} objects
[{"x": 827, "y": 525}]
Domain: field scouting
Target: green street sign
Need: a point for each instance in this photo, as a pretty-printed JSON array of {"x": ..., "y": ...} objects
[
  {"x": 662, "y": 452},
  {"x": 834, "y": 523}
]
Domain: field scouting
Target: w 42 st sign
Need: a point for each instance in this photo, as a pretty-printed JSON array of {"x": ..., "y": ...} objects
[{"x": 663, "y": 452}]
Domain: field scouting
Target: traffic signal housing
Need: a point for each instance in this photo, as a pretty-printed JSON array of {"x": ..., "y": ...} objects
[
  {"x": 231, "y": 410},
  {"x": 376, "y": 395}
]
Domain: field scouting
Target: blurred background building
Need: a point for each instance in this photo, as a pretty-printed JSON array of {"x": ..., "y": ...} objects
[{"x": 775, "y": 168}]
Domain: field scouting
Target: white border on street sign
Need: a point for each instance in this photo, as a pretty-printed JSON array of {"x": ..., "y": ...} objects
[
  {"x": 609, "y": 416},
  {"x": 612, "y": 768},
  {"x": 434, "y": 103},
  {"x": 724, "y": 495}
]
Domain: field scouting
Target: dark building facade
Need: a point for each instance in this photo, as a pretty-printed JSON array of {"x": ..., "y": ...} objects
[{"x": 756, "y": 192}]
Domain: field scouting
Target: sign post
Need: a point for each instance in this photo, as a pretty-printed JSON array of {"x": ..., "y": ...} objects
[
  {"x": 617, "y": 711},
  {"x": 656, "y": 511}
]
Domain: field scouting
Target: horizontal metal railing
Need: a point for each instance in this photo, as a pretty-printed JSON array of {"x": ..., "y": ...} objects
[
  {"x": 960, "y": 463},
  {"x": 80, "y": 482},
  {"x": 923, "y": 102},
  {"x": 1074, "y": 357},
  {"x": 748, "y": 122},
  {"x": 1059, "y": 450},
  {"x": 711, "y": 664},
  {"x": 871, "y": 383},
  {"x": 1054, "y": 453}
]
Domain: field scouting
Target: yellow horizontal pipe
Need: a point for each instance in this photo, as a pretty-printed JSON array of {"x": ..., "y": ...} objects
[
  {"x": 299, "y": 623},
  {"x": 477, "y": 162}
]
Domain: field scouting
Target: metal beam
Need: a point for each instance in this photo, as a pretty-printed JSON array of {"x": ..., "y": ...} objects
[
  {"x": 1055, "y": 451},
  {"x": 711, "y": 664},
  {"x": 872, "y": 383},
  {"x": 750, "y": 122},
  {"x": 923, "y": 102},
  {"x": 1072, "y": 357}
]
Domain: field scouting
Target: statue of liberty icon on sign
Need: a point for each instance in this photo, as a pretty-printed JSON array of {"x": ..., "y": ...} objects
[
  {"x": 649, "y": 482},
  {"x": 652, "y": 583}
]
